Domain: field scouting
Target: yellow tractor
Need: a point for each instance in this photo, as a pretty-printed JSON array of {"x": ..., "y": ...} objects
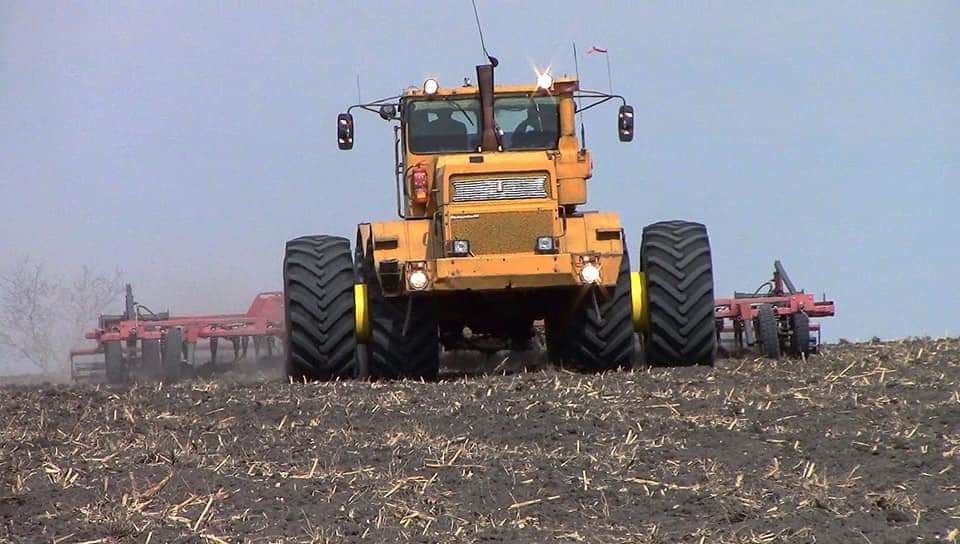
[{"x": 491, "y": 239}]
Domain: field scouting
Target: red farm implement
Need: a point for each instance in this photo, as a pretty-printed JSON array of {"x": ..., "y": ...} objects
[
  {"x": 775, "y": 321},
  {"x": 161, "y": 345}
]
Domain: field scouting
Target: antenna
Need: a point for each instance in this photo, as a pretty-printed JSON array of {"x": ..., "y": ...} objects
[
  {"x": 476, "y": 15},
  {"x": 576, "y": 65},
  {"x": 609, "y": 74},
  {"x": 359, "y": 98}
]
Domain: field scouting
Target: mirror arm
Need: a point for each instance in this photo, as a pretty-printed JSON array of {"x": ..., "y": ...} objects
[
  {"x": 374, "y": 106},
  {"x": 586, "y": 93},
  {"x": 599, "y": 98},
  {"x": 345, "y": 127}
]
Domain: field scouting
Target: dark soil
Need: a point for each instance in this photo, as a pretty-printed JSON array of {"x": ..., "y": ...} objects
[{"x": 859, "y": 444}]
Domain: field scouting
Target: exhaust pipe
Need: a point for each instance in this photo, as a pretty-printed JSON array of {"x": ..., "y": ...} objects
[{"x": 488, "y": 135}]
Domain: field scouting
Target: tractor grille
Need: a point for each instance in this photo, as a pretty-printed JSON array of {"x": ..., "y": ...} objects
[
  {"x": 501, "y": 232},
  {"x": 499, "y": 188}
]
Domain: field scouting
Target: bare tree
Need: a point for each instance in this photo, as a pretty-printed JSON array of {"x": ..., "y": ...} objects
[
  {"x": 28, "y": 308},
  {"x": 88, "y": 296},
  {"x": 41, "y": 317}
]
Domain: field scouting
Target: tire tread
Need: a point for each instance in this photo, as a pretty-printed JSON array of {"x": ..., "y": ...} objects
[
  {"x": 590, "y": 342},
  {"x": 318, "y": 282},
  {"x": 675, "y": 256}
]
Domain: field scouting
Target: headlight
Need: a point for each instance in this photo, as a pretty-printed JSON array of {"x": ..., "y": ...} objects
[
  {"x": 590, "y": 273},
  {"x": 431, "y": 86},
  {"x": 418, "y": 279},
  {"x": 546, "y": 244},
  {"x": 459, "y": 248},
  {"x": 544, "y": 81}
]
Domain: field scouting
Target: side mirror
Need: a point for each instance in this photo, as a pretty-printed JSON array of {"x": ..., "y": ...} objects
[
  {"x": 388, "y": 112},
  {"x": 345, "y": 131},
  {"x": 625, "y": 123}
]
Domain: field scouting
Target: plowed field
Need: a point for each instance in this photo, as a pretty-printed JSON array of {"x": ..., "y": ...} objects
[{"x": 859, "y": 444}]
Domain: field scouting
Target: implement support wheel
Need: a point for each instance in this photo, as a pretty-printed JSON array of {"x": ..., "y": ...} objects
[
  {"x": 768, "y": 331},
  {"x": 799, "y": 333}
]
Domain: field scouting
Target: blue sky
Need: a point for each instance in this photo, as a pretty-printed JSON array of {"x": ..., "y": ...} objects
[{"x": 185, "y": 142}]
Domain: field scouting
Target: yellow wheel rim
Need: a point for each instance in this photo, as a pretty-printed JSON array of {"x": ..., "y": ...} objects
[
  {"x": 638, "y": 299},
  {"x": 361, "y": 313}
]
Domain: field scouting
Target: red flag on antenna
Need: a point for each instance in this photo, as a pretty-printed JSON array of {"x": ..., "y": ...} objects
[{"x": 596, "y": 49}]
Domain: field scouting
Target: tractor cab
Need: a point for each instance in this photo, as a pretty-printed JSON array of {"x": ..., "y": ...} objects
[{"x": 502, "y": 129}]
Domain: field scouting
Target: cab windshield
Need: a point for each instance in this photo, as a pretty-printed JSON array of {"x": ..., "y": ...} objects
[
  {"x": 445, "y": 125},
  {"x": 528, "y": 122},
  {"x": 452, "y": 125}
]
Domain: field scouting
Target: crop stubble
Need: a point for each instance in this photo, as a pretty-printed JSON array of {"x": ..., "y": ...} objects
[{"x": 856, "y": 445}]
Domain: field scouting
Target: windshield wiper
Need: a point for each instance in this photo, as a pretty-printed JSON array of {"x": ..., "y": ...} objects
[{"x": 460, "y": 108}]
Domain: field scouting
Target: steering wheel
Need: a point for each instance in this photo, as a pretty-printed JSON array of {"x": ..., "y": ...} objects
[{"x": 523, "y": 133}]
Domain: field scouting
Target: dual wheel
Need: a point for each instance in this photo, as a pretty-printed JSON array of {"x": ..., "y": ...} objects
[
  {"x": 670, "y": 302},
  {"x": 594, "y": 331},
  {"x": 322, "y": 301},
  {"x": 771, "y": 331}
]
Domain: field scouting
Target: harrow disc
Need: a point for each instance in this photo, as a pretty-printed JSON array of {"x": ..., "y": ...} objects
[
  {"x": 150, "y": 355},
  {"x": 113, "y": 362},
  {"x": 172, "y": 355}
]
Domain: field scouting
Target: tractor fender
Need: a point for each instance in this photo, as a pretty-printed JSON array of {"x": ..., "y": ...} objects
[
  {"x": 594, "y": 232},
  {"x": 402, "y": 240}
]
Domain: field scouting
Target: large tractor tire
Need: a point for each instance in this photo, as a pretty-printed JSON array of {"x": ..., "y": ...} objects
[
  {"x": 397, "y": 353},
  {"x": 598, "y": 335},
  {"x": 675, "y": 258},
  {"x": 768, "y": 331},
  {"x": 318, "y": 287},
  {"x": 404, "y": 334}
]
